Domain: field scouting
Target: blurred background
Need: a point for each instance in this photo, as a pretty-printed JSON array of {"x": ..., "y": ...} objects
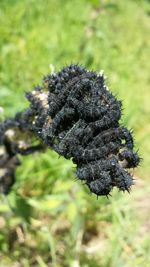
[{"x": 49, "y": 218}]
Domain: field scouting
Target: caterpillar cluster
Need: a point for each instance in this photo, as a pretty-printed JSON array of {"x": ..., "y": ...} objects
[{"x": 75, "y": 114}]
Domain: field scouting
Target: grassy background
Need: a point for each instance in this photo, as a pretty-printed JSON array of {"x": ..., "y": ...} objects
[{"x": 49, "y": 219}]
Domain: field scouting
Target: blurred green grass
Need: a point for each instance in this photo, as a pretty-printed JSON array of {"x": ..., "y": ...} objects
[{"x": 49, "y": 219}]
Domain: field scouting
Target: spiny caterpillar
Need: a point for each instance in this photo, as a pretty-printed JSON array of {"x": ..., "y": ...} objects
[{"x": 75, "y": 114}]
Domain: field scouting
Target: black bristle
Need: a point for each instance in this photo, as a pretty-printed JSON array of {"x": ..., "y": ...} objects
[{"x": 76, "y": 115}]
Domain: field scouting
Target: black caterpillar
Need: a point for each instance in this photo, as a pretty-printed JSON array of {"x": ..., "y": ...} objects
[{"x": 75, "y": 114}]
